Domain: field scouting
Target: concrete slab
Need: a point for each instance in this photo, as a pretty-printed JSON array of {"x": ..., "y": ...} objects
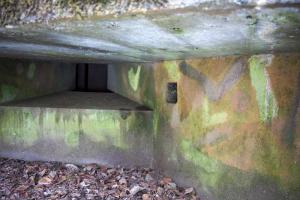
[
  {"x": 168, "y": 30},
  {"x": 79, "y": 100}
]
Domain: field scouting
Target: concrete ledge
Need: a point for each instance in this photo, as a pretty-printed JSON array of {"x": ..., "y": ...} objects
[
  {"x": 102, "y": 133},
  {"x": 80, "y": 100}
]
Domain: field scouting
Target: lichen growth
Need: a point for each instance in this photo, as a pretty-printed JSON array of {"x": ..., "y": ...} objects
[
  {"x": 172, "y": 70},
  {"x": 260, "y": 80},
  {"x": 134, "y": 77},
  {"x": 211, "y": 119},
  {"x": 201, "y": 120},
  {"x": 25, "y": 127},
  {"x": 286, "y": 18},
  {"x": 18, "y": 127}
]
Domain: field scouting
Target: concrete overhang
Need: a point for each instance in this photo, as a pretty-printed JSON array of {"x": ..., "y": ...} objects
[{"x": 147, "y": 31}]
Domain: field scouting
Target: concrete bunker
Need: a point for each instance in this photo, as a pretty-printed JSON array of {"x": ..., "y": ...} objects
[{"x": 205, "y": 91}]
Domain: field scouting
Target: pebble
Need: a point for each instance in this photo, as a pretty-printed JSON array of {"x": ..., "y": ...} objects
[
  {"x": 135, "y": 189},
  {"x": 71, "y": 167}
]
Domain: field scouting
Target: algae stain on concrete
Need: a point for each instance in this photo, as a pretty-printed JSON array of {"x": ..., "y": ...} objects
[
  {"x": 212, "y": 119},
  {"x": 134, "y": 77},
  {"x": 200, "y": 121},
  {"x": 172, "y": 70},
  {"x": 8, "y": 92},
  {"x": 103, "y": 126},
  {"x": 31, "y": 71},
  {"x": 208, "y": 170},
  {"x": 18, "y": 127},
  {"x": 260, "y": 80},
  {"x": 71, "y": 130},
  {"x": 72, "y": 139}
]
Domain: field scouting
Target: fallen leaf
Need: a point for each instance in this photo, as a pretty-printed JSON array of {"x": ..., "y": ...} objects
[
  {"x": 166, "y": 180},
  {"x": 188, "y": 190},
  {"x": 45, "y": 181},
  {"x": 22, "y": 188},
  {"x": 52, "y": 174},
  {"x": 43, "y": 172}
]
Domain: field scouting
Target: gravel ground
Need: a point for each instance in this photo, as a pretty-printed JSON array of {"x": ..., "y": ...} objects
[{"x": 52, "y": 180}]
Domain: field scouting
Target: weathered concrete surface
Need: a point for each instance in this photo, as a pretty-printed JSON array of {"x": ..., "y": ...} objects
[
  {"x": 117, "y": 134},
  {"x": 234, "y": 132},
  {"x": 31, "y": 11},
  {"x": 168, "y": 30},
  {"x": 21, "y": 79}
]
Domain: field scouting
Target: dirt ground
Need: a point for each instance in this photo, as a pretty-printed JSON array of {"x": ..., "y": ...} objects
[{"x": 51, "y": 180}]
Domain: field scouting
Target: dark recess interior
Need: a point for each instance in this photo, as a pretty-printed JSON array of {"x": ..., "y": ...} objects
[{"x": 91, "y": 78}]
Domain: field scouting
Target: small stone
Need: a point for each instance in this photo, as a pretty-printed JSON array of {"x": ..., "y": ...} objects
[
  {"x": 123, "y": 181},
  {"x": 9, "y": 26},
  {"x": 135, "y": 189},
  {"x": 111, "y": 171},
  {"x": 188, "y": 190},
  {"x": 148, "y": 178},
  {"x": 171, "y": 186},
  {"x": 52, "y": 174},
  {"x": 83, "y": 184},
  {"x": 160, "y": 191},
  {"x": 71, "y": 167},
  {"x": 47, "y": 192},
  {"x": 145, "y": 197},
  {"x": 90, "y": 167}
]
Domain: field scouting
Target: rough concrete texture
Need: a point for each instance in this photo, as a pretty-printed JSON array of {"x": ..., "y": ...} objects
[
  {"x": 169, "y": 30},
  {"x": 234, "y": 132},
  {"x": 30, "y": 11},
  {"x": 21, "y": 79}
]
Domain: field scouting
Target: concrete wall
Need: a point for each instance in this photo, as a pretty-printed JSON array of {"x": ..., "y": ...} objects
[
  {"x": 21, "y": 79},
  {"x": 234, "y": 132},
  {"x": 110, "y": 137}
]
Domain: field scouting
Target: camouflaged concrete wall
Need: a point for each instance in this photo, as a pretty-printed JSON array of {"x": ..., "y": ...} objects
[
  {"x": 234, "y": 131},
  {"x": 21, "y": 79}
]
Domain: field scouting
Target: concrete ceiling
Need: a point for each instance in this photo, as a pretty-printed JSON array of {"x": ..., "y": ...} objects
[{"x": 150, "y": 32}]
